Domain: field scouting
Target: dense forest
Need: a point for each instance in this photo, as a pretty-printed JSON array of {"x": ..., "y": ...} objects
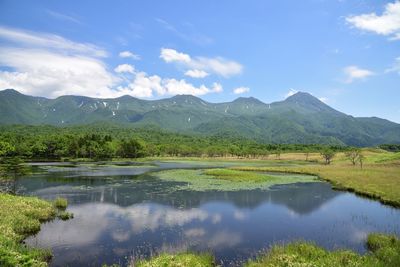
[{"x": 99, "y": 141}]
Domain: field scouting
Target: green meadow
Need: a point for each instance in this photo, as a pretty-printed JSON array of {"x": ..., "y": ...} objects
[{"x": 20, "y": 217}]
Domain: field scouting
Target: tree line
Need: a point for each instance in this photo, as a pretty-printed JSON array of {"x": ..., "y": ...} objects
[{"x": 105, "y": 142}]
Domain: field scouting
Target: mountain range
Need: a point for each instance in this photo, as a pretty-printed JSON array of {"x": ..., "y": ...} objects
[{"x": 300, "y": 118}]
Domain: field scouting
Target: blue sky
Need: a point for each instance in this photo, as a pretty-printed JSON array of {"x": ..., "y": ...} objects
[{"x": 347, "y": 53}]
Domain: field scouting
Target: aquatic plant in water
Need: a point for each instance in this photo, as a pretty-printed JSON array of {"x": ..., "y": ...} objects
[{"x": 228, "y": 180}]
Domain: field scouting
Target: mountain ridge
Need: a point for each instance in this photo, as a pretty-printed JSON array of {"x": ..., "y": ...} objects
[{"x": 300, "y": 118}]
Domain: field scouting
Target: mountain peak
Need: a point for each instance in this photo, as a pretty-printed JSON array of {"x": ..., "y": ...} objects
[
  {"x": 302, "y": 97},
  {"x": 10, "y": 91},
  {"x": 247, "y": 100},
  {"x": 307, "y": 102},
  {"x": 186, "y": 98}
]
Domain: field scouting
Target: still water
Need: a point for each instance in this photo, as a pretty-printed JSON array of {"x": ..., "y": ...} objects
[{"x": 123, "y": 212}]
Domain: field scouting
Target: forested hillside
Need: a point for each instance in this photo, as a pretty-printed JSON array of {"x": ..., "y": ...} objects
[{"x": 300, "y": 118}]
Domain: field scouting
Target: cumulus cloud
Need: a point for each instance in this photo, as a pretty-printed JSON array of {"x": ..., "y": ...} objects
[
  {"x": 241, "y": 90},
  {"x": 354, "y": 73},
  {"x": 143, "y": 86},
  {"x": 388, "y": 23},
  {"x": 217, "y": 65},
  {"x": 291, "y": 92},
  {"x": 171, "y": 55},
  {"x": 49, "y": 65},
  {"x": 196, "y": 73},
  {"x": 44, "y": 73},
  {"x": 129, "y": 54},
  {"x": 149, "y": 86},
  {"x": 125, "y": 68}
]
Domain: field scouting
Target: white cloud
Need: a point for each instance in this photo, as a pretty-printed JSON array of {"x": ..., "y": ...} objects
[
  {"x": 178, "y": 87},
  {"x": 148, "y": 86},
  {"x": 323, "y": 99},
  {"x": 44, "y": 73},
  {"x": 143, "y": 86},
  {"x": 387, "y": 24},
  {"x": 241, "y": 90},
  {"x": 355, "y": 73},
  {"x": 49, "y": 41},
  {"x": 291, "y": 92},
  {"x": 48, "y": 65},
  {"x": 196, "y": 73},
  {"x": 129, "y": 54},
  {"x": 63, "y": 16},
  {"x": 217, "y": 65},
  {"x": 171, "y": 55},
  {"x": 125, "y": 68},
  {"x": 217, "y": 88}
]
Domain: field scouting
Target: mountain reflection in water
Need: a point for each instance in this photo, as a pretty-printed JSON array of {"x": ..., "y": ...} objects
[{"x": 119, "y": 217}]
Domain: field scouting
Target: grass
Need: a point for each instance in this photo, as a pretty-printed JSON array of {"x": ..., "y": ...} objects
[
  {"x": 227, "y": 179},
  {"x": 64, "y": 215},
  {"x": 20, "y": 217},
  {"x": 178, "y": 260},
  {"x": 377, "y": 181},
  {"x": 60, "y": 203},
  {"x": 384, "y": 251}
]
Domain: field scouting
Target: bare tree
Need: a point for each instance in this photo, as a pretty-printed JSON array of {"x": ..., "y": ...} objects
[{"x": 353, "y": 155}]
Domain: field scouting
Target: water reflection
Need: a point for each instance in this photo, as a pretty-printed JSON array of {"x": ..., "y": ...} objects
[
  {"x": 120, "y": 217},
  {"x": 125, "y": 191}
]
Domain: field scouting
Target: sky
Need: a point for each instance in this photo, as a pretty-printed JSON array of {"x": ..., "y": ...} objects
[{"x": 345, "y": 52}]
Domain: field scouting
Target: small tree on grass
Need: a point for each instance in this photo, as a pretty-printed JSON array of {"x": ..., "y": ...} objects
[
  {"x": 328, "y": 155},
  {"x": 307, "y": 153},
  {"x": 353, "y": 156},
  {"x": 361, "y": 160}
]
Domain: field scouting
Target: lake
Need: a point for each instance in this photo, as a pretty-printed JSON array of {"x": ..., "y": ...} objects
[{"x": 123, "y": 212}]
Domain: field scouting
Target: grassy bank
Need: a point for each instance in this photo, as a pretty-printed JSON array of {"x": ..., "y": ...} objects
[
  {"x": 19, "y": 218},
  {"x": 227, "y": 179},
  {"x": 384, "y": 251},
  {"x": 377, "y": 181},
  {"x": 379, "y": 178}
]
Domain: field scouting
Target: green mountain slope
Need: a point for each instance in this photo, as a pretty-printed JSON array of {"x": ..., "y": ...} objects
[{"x": 300, "y": 118}]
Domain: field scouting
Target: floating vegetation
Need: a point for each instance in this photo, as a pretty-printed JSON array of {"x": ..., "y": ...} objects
[
  {"x": 228, "y": 180},
  {"x": 65, "y": 215}
]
